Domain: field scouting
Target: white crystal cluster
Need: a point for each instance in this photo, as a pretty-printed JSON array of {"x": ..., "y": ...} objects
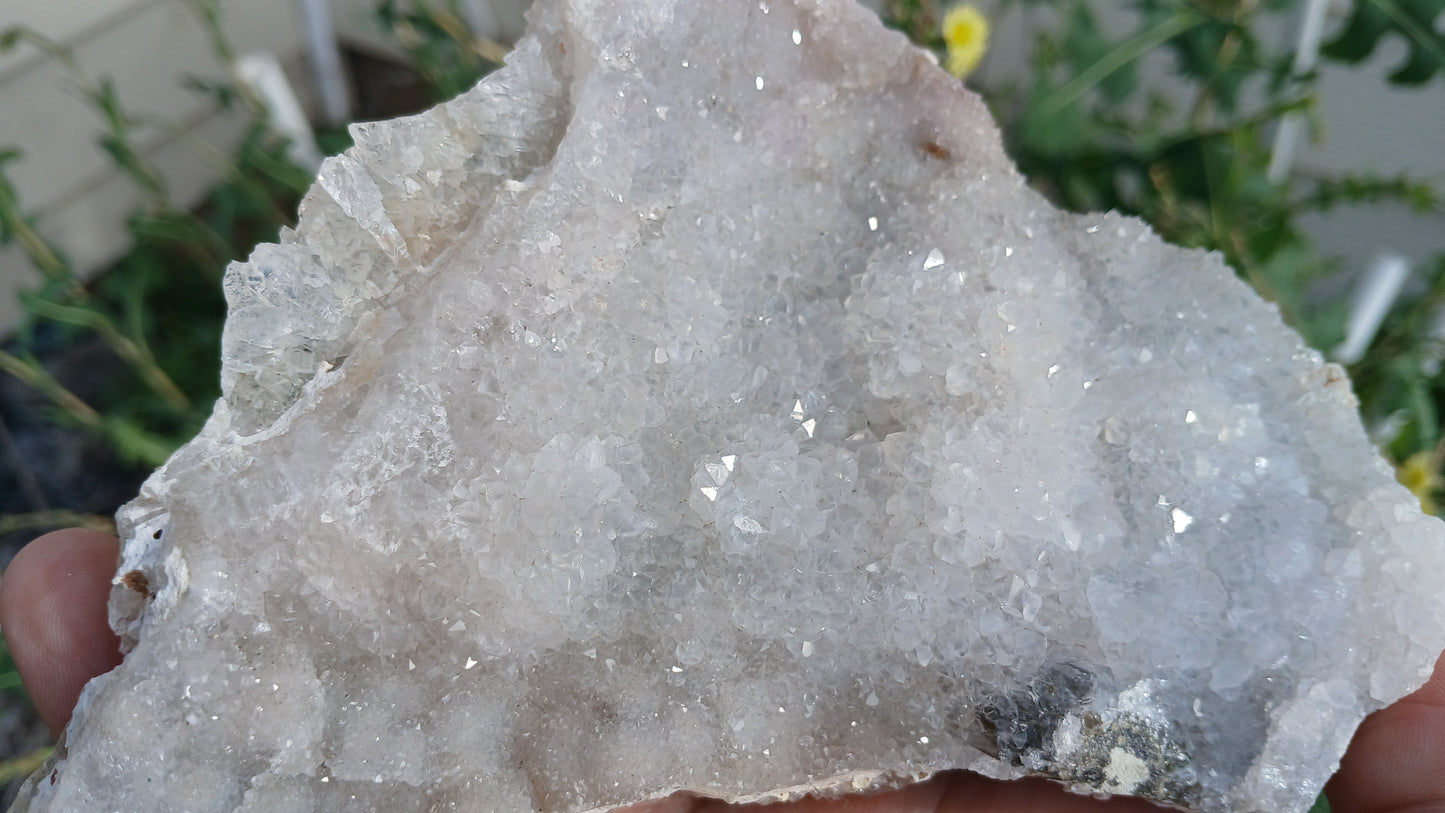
[{"x": 704, "y": 402}]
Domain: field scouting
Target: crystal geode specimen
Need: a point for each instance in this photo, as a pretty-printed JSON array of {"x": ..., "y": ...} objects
[{"x": 704, "y": 402}]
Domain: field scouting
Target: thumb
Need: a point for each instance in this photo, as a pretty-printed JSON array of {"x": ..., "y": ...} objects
[{"x": 53, "y": 612}]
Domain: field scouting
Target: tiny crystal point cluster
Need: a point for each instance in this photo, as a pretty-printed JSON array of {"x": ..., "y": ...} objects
[{"x": 703, "y": 402}]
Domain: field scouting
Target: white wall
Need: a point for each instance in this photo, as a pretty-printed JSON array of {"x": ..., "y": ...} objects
[
  {"x": 146, "y": 47},
  {"x": 1372, "y": 126}
]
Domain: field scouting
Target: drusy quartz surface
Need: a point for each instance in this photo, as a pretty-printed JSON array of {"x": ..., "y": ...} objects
[{"x": 704, "y": 402}]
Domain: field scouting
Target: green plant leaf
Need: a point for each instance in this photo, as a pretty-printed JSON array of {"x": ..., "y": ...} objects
[
  {"x": 15, "y": 768},
  {"x": 1411, "y": 20},
  {"x": 129, "y": 162},
  {"x": 1355, "y": 189},
  {"x": 1321, "y": 805},
  {"x": 11, "y": 37},
  {"x": 182, "y": 230},
  {"x": 223, "y": 93},
  {"x": 440, "y": 46},
  {"x": 1116, "y": 58},
  {"x": 134, "y": 444},
  {"x": 1054, "y": 130},
  {"x": 1084, "y": 46}
]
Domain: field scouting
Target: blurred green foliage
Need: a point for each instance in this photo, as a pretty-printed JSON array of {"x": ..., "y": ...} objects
[
  {"x": 439, "y": 44},
  {"x": 1413, "y": 21}
]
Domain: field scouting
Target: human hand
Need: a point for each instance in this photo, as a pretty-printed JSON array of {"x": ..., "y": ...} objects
[
  {"x": 53, "y": 612},
  {"x": 52, "y": 609}
]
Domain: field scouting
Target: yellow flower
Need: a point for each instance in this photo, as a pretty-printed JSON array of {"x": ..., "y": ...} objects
[
  {"x": 1418, "y": 473},
  {"x": 965, "y": 33}
]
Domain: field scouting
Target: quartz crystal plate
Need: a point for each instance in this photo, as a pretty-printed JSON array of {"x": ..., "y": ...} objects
[{"x": 703, "y": 402}]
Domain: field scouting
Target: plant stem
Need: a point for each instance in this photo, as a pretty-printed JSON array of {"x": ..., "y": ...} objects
[
  {"x": 35, "y": 247},
  {"x": 23, "y": 765},
  {"x": 37, "y": 520},
  {"x": 38, "y": 378},
  {"x": 134, "y": 353},
  {"x": 1127, "y": 51}
]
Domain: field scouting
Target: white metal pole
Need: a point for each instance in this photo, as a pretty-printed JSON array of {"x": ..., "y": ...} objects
[
  {"x": 1306, "y": 54},
  {"x": 325, "y": 57},
  {"x": 262, "y": 74},
  {"x": 1377, "y": 291}
]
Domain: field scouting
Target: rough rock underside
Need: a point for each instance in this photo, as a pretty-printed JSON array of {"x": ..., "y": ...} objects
[{"x": 703, "y": 402}]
